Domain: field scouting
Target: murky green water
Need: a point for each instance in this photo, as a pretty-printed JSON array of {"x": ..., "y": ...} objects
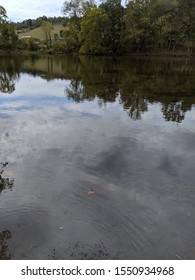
[{"x": 97, "y": 158}]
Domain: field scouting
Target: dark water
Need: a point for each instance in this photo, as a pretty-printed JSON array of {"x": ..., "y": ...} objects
[{"x": 97, "y": 158}]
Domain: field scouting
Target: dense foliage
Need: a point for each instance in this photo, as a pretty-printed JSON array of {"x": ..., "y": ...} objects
[
  {"x": 141, "y": 26},
  {"x": 8, "y": 37}
]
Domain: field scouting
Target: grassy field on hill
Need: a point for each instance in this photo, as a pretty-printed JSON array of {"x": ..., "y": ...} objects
[{"x": 38, "y": 33}]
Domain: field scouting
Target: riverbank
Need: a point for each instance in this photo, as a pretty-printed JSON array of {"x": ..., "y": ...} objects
[{"x": 158, "y": 53}]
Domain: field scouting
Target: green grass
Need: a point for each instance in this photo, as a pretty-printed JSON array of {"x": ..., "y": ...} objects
[{"x": 38, "y": 33}]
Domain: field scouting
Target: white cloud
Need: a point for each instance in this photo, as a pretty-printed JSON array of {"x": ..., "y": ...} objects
[{"x": 18, "y": 10}]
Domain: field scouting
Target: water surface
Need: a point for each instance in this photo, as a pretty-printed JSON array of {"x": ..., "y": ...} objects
[{"x": 97, "y": 158}]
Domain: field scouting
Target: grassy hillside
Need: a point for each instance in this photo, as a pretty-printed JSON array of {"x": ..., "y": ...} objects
[{"x": 38, "y": 33}]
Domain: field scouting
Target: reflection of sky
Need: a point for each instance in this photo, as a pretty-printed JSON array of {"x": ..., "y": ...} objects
[
  {"x": 29, "y": 86},
  {"x": 38, "y": 113},
  {"x": 34, "y": 92}
]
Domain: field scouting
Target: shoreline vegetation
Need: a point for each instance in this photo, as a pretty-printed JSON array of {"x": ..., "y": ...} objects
[
  {"x": 176, "y": 54},
  {"x": 141, "y": 28},
  {"x": 179, "y": 53}
]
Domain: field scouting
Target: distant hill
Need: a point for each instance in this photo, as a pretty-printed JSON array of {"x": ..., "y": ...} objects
[
  {"x": 34, "y": 23},
  {"x": 38, "y": 33}
]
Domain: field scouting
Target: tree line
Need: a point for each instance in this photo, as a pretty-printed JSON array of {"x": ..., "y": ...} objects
[
  {"x": 147, "y": 26},
  {"x": 29, "y": 24}
]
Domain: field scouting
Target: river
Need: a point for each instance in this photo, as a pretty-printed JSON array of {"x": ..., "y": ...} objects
[{"x": 97, "y": 157}]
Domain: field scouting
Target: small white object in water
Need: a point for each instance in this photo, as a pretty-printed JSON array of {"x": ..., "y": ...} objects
[{"x": 61, "y": 228}]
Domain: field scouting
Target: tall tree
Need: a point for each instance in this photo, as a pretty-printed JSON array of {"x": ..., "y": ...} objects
[
  {"x": 94, "y": 31},
  {"x": 161, "y": 14},
  {"x": 3, "y": 14},
  {"x": 138, "y": 34},
  {"x": 186, "y": 21},
  {"x": 47, "y": 28},
  {"x": 114, "y": 11},
  {"x": 8, "y": 37},
  {"x": 75, "y": 9}
]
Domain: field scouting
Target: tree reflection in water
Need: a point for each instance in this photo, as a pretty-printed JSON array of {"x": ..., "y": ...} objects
[
  {"x": 75, "y": 91},
  {"x": 5, "y": 183},
  {"x": 135, "y": 105},
  {"x": 174, "y": 112},
  {"x": 9, "y": 74},
  {"x": 135, "y": 82},
  {"x": 7, "y": 84},
  {"x": 4, "y": 237}
]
